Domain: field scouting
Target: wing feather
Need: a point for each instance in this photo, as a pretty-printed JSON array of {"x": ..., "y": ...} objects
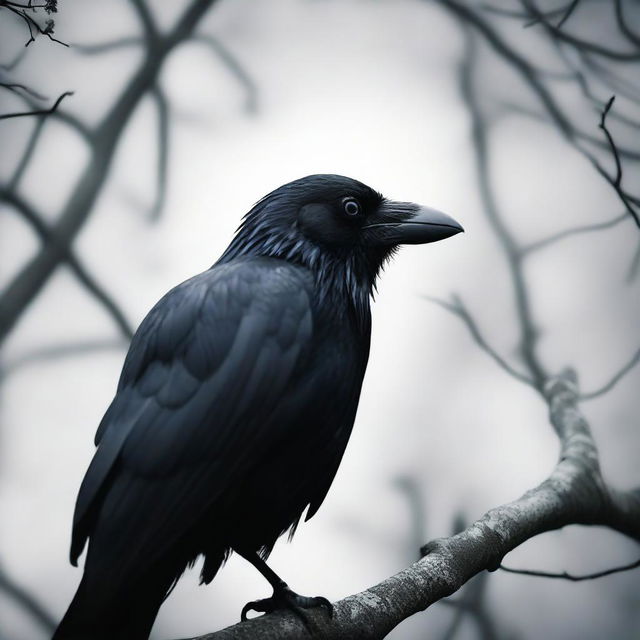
[{"x": 205, "y": 370}]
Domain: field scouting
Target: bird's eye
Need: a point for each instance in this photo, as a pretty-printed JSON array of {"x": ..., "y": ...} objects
[{"x": 351, "y": 207}]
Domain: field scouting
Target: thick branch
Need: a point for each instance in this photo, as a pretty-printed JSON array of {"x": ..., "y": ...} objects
[{"x": 573, "y": 494}]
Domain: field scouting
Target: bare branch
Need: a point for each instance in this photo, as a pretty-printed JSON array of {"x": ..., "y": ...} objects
[
  {"x": 32, "y": 25},
  {"x": 40, "y": 112},
  {"x": 571, "y": 8},
  {"x": 108, "y": 47},
  {"x": 459, "y": 310},
  {"x": 585, "y": 45},
  {"x": 16, "y": 88},
  {"x": 234, "y": 66},
  {"x": 27, "y": 155},
  {"x": 614, "y": 379},
  {"x": 528, "y": 331},
  {"x": 567, "y": 576},
  {"x": 573, "y": 494},
  {"x": 49, "y": 238},
  {"x": 623, "y": 24},
  {"x": 29, "y": 281},
  {"x": 27, "y": 601},
  {"x": 616, "y": 182},
  {"x": 162, "y": 110},
  {"x": 146, "y": 19},
  {"x": 567, "y": 233}
]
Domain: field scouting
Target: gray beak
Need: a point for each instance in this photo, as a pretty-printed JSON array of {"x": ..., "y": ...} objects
[{"x": 407, "y": 223}]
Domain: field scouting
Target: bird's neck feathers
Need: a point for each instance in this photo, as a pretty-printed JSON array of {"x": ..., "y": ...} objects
[{"x": 345, "y": 277}]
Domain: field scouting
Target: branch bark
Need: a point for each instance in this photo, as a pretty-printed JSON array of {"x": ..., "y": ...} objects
[{"x": 574, "y": 493}]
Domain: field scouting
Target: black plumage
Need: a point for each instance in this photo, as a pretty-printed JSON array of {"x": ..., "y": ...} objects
[{"x": 236, "y": 402}]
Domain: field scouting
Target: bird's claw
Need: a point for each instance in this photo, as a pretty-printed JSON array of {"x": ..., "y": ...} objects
[{"x": 286, "y": 599}]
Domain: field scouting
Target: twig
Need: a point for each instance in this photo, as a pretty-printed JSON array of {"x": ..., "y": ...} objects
[
  {"x": 623, "y": 25},
  {"x": 566, "y": 576},
  {"x": 585, "y": 45},
  {"x": 234, "y": 66},
  {"x": 614, "y": 379},
  {"x": 528, "y": 331},
  {"x": 568, "y": 13},
  {"x": 40, "y": 112},
  {"x": 108, "y": 47},
  {"x": 16, "y": 87},
  {"x": 162, "y": 110},
  {"x": 31, "y": 23},
  {"x": 459, "y": 310},
  {"x": 26, "y": 285},
  {"x": 567, "y": 233},
  {"x": 616, "y": 182}
]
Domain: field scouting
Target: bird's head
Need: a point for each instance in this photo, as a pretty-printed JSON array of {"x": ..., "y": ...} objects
[{"x": 327, "y": 222}]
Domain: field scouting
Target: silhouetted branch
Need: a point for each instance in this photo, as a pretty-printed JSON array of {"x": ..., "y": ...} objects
[
  {"x": 584, "y": 45},
  {"x": 573, "y": 493},
  {"x": 616, "y": 182},
  {"x": 16, "y": 87},
  {"x": 623, "y": 24},
  {"x": 146, "y": 19},
  {"x": 33, "y": 27},
  {"x": 567, "y": 233},
  {"x": 458, "y": 309},
  {"x": 26, "y": 285},
  {"x": 614, "y": 379},
  {"x": 27, "y": 602},
  {"x": 534, "y": 81},
  {"x": 49, "y": 238},
  {"x": 234, "y": 66},
  {"x": 162, "y": 110},
  {"x": 567, "y": 576},
  {"x": 570, "y": 9},
  {"x": 37, "y": 112},
  {"x": 108, "y": 47}
]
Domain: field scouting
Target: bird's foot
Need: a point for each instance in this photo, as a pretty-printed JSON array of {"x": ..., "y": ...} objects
[{"x": 284, "y": 598}]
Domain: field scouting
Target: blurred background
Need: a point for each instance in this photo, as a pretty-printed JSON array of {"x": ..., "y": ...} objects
[{"x": 177, "y": 126}]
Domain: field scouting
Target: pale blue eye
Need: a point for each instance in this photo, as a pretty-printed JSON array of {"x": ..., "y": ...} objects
[{"x": 351, "y": 207}]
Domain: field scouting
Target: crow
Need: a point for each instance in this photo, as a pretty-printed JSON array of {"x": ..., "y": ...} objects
[{"x": 235, "y": 403}]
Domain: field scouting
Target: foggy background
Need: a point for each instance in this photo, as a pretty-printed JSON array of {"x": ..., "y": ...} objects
[{"x": 367, "y": 89}]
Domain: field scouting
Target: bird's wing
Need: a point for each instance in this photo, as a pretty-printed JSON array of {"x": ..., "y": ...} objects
[{"x": 204, "y": 372}]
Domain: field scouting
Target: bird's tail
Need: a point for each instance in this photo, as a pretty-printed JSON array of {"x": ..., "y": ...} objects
[{"x": 126, "y": 615}]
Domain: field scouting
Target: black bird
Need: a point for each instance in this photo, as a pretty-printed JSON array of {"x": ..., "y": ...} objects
[{"x": 235, "y": 403}]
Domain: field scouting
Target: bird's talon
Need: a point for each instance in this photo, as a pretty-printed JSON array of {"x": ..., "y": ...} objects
[
  {"x": 259, "y": 606},
  {"x": 287, "y": 599}
]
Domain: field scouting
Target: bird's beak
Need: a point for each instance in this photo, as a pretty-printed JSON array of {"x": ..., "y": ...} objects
[{"x": 407, "y": 223}]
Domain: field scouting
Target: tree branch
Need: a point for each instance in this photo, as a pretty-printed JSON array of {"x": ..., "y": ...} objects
[
  {"x": 459, "y": 310},
  {"x": 614, "y": 379},
  {"x": 28, "y": 283},
  {"x": 27, "y": 602},
  {"x": 37, "y": 112},
  {"x": 162, "y": 110},
  {"x": 234, "y": 66},
  {"x": 49, "y": 238},
  {"x": 567, "y": 576},
  {"x": 574, "y": 493}
]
